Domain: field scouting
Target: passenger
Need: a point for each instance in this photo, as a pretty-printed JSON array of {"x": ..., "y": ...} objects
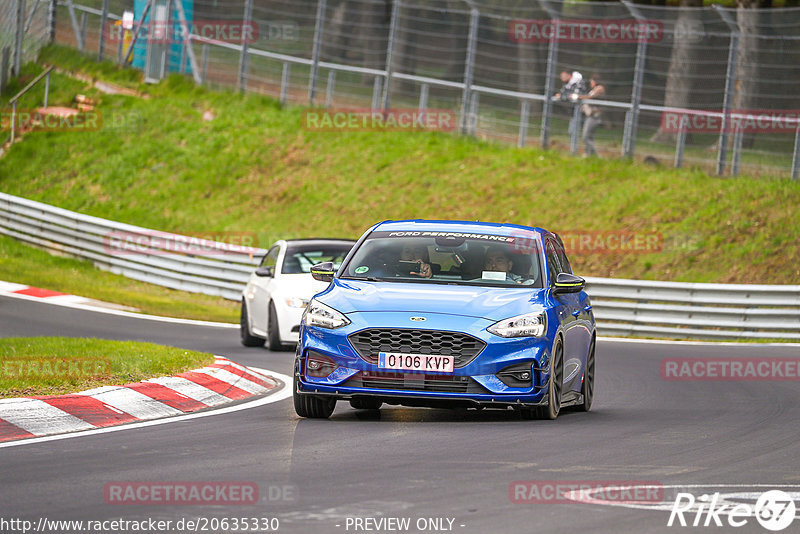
[{"x": 418, "y": 253}]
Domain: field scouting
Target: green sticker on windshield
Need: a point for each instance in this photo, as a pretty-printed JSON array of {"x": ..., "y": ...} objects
[{"x": 362, "y": 269}]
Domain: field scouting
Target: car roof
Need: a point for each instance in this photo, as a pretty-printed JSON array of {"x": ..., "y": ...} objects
[
  {"x": 423, "y": 225},
  {"x": 321, "y": 241}
]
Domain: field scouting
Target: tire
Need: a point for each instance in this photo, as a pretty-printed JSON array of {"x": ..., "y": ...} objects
[
  {"x": 587, "y": 389},
  {"x": 366, "y": 404},
  {"x": 555, "y": 386},
  {"x": 312, "y": 407},
  {"x": 248, "y": 339},
  {"x": 273, "y": 330}
]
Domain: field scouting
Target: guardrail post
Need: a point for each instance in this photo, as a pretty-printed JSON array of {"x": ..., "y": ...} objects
[
  {"x": 285, "y": 82},
  {"x": 19, "y": 33},
  {"x": 730, "y": 80},
  {"x": 469, "y": 66},
  {"x": 243, "y": 59},
  {"x": 550, "y": 72},
  {"x": 680, "y": 142},
  {"x": 329, "y": 88},
  {"x": 524, "y": 117},
  {"x": 387, "y": 87},
  {"x": 102, "y": 44},
  {"x": 317, "y": 45},
  {"x": 796, "y": 154},
  {"x": 629, "y": 141}
]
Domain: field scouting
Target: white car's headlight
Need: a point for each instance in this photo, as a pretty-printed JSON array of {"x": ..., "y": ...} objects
[
  {"x": 296, "y": 302},
  {"x": 527, "y": 325},
  {"x": 318, "y": 314}
]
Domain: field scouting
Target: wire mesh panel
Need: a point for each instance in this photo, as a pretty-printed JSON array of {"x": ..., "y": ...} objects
[{"x": 705, "y": 86}]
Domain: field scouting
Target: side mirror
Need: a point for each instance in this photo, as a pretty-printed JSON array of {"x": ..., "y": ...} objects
[
  {"x": 568, "y": 283},
  {"x": 323, "y": 271},
  {"x": 265, "y": 271}
]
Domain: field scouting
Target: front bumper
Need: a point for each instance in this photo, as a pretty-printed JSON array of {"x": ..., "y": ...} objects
[{"x": 476, "y": 384}]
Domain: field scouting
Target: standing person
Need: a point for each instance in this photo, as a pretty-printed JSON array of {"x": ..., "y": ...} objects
[
  {"x": 573, "y": 85},
  {"x": 592, "y": 113}
]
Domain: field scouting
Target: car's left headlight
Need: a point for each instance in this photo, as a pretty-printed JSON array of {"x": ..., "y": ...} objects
[
  {"x": 527, "y": 325},
  {"x": 318, "y": 314}
]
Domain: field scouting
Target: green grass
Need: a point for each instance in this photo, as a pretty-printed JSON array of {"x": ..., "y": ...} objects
[
  {"x": 58, "y": 365},
  {"x": 27, "y": 265},
  {"x": 254, "y": 169}
]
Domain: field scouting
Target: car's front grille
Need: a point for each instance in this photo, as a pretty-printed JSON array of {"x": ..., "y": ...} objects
[
  {"x": 463, "y": 347},
  {"x": 414, "y": 382}
]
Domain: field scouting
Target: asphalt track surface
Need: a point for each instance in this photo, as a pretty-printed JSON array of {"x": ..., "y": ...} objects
[{"x": 416, "y": 463}]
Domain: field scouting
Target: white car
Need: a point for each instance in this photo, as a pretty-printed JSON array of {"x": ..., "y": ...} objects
[{"x": 277, "y": 292}]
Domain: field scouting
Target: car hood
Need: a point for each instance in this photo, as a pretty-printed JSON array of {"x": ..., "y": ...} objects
[{"x": 349, "y": 296}]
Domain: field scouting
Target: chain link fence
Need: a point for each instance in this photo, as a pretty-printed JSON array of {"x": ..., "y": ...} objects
[
  {"x": 709, "y": 87},
  {"x": 24, "y": 29}
]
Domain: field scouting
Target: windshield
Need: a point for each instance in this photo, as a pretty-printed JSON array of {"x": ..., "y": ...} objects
[
  {"x": 300, "y": 258},
  {"x": 445, "y": 257}
]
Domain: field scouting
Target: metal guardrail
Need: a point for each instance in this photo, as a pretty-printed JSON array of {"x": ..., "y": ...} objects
[
  {"x": 622, "y": 307},
  {"x": 132, "y": 251}
]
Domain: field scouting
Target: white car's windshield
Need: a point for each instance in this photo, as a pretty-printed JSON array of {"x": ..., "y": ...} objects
[
  {"x": 470, "y": 259},
  {"x": 300, "y": 258}
]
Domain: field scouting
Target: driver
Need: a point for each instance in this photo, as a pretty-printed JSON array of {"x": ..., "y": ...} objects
[{"x": 499, "y": 260}]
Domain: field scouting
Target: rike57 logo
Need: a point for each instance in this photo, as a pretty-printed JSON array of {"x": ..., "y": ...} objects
[{"x": 774, "y": 510}]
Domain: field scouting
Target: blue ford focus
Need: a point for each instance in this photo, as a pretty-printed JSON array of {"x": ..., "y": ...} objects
[{"x": 448, "y": 314}]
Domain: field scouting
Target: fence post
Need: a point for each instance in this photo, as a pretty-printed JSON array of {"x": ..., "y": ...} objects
[
  {"x": 469, "y": 67},
  {"x": 737, "y": 150},
  {"x": 285, "y": 83},
  {"x": 46, "y": 89},
  {"x": 20, "y": 22},
  {"x": 376, "y": 92},
  {"x": 550, "y": 72},
  {"x": 680, "y": 142},
  {"x": 329, "y": 88},
  {"x": 423, "y": 101},
  {"x": 524, "y": 117},
  {"x": 248, "y": 15},
  {"x": 317, "y": 45},
  {"x": 473, "y": 112},
  {"x": 187, "y": 41},
  {"x": 83, "y": 32},
  {"x": 629, "y": 142},
  {"x": 730, "y": 80},
  {"x": 5, "y": 58},
  {"x": 796, "y": 154},
  {"x": 575, "y": 129},
  {"x": 387, "y": 87},
  {"x": 74, "y": 20},
  {"x": 103, "y": 18},
  {"x": 51, "y": 21},
  {"x": 204, "y": 68}
]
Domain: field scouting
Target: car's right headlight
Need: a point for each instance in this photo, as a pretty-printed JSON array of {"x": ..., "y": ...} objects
[
  {"x": 318, "y": 314},
  {"x": 527, "y": 325}
]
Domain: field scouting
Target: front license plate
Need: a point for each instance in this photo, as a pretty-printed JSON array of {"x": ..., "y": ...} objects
[{"x": 415, "y": 362}]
